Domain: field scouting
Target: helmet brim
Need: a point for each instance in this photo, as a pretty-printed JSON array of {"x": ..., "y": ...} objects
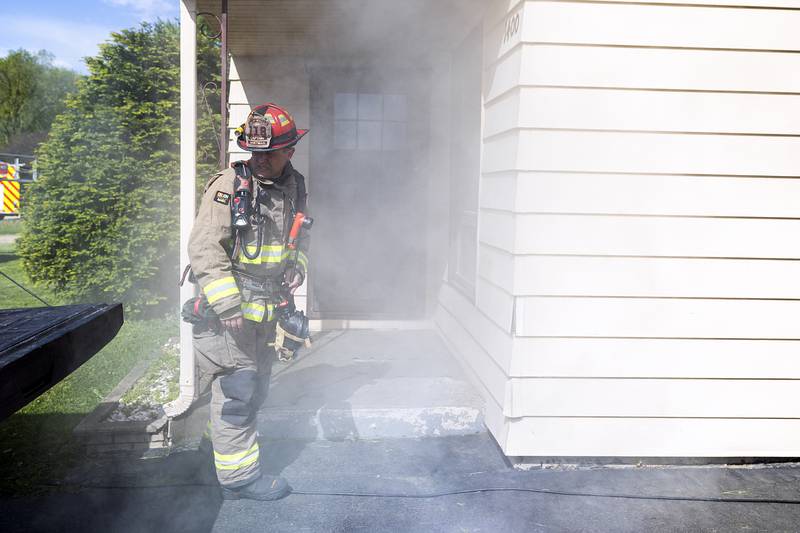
[{"x": 300, "y": 134}]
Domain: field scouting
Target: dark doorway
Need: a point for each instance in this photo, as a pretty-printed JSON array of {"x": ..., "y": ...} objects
[{"x": 369, "y": 194}]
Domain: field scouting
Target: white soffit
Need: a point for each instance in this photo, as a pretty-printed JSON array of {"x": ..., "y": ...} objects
[{"x": 345, "y": 27}]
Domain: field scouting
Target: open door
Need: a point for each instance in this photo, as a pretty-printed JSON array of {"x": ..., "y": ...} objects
[{"x": 369, "y": 194}]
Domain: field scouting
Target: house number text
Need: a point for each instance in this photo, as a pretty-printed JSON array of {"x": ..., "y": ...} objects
[{"x": 512, "y": 27}]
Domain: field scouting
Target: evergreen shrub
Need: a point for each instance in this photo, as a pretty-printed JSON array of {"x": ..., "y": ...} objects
[{"x": 102, "y": 221}]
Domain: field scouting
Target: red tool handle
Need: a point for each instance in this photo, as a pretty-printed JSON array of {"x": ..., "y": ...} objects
[{"x": 299, "y": 218}]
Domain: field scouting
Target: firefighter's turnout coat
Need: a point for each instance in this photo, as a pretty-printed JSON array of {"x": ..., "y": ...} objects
[
  {"x": 237, "y": 365},
  {"x": 211, "y": 243}
]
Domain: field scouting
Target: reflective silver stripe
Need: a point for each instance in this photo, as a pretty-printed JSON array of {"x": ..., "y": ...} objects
[
  {"x": 234, "y": 461},
  {"x": 220, "y": 288}
]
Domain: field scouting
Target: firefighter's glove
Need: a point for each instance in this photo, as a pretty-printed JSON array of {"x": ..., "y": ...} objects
[
  {"x": 197, "y": 311},
  {"x": 293, "y": 278},
  {"x": 232, "y": 320},
  {"x": 189, "y": 314}
]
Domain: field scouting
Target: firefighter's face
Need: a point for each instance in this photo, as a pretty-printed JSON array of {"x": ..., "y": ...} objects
[{"x": 271, "y": 164}]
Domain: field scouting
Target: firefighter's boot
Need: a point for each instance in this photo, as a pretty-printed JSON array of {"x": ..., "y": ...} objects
[{"x": 265, "y": 488}]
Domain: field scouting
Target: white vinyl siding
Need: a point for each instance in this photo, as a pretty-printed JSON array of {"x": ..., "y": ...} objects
[
  {"x": 640, "y": 217},
  {"x": 651, "y": 397},
  {"x": 652, "y": 111},
  {"x": 685, "y": 277},
  {"x": 657, "y": 68},
  {"x": 659, "y": 437},
  {"x": 609, "y": 357},
  {"x": 641, "y": 194},
  {"x": 640, "y": 152},
  {"x": 662, "y": 26},
  {"x": 690, "y": 318},
  {"x": 643, "y": 235}
]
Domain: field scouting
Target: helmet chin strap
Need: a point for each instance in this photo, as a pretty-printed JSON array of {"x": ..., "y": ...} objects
[{"x": 263, "y": 167}]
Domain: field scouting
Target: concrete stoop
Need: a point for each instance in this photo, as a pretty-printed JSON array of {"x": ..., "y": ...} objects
[{"x": 371, "y": 384}]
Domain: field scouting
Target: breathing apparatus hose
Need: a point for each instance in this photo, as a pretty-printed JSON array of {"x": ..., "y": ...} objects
[
  {"x": 242, "y": 209},
  {"x": 457, "y": 491},
  {"x": 239, "y": 244}
]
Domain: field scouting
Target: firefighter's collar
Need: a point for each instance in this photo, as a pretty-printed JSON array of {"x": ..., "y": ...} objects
[
  {"x": 279, "y": 180},
  {"x": 287, "y": 171}
]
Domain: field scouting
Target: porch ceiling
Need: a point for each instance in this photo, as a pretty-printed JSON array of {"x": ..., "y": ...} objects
[{"x": 346, "y": 28}]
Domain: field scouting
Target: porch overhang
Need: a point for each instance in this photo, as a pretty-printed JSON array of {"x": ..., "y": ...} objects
[
  {"x": 345, "y": 28},
  {"x": 396, "y": 35}
]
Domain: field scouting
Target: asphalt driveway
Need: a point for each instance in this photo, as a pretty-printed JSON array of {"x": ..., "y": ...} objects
[{"x": 397, "y": 485}]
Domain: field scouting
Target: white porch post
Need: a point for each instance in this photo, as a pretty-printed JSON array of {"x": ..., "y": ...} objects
[{"x": 188, "y": 138}]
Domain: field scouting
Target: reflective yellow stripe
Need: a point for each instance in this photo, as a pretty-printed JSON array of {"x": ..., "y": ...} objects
[
  {"x": 245, "y": 462},
  {"x": 233, "y": 457},
  {"x": 270, "y": 253},
  {"x": 220, "y": 283},
  {"x": 262, "y": 259},
  {"x": 266, "y": 249},
  {"x": 236, "y": 461},
  {"x": 220, "y": 288},
  {"x": 222, "y": 294},
  {"x": 255, "y": 312},
  {"x": 302, "y": 260}
]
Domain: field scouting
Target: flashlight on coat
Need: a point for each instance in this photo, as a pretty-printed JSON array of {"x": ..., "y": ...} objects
[
  {"x": 301, "y": 221},
  {"x": 242, "y": 203}
]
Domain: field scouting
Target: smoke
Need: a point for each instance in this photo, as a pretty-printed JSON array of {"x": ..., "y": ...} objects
[{"x": 373, "y": 80}]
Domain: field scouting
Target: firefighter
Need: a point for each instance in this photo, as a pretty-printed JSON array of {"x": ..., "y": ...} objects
[{"x": 240, "y": 266}]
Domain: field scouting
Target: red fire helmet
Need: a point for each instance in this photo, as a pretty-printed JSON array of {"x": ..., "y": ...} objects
[{"x": 268, "y": 127}]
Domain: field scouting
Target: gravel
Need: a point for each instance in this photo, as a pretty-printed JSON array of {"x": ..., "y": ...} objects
[{"x": 143, "y": 402}]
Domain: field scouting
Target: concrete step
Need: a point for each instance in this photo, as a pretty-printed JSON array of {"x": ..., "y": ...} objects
[{"x": 371, "y": 384}]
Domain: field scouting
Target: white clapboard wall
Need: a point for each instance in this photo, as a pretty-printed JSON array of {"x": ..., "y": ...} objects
[{"x": 638, "y": 288}]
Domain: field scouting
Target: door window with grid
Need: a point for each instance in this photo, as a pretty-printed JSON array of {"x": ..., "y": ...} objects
[{"x": 368, "y": 121}]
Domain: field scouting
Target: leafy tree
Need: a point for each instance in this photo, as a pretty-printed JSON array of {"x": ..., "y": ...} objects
[
  {"x": 102, "y": 220},
  {"x": 32, "y": 91}
]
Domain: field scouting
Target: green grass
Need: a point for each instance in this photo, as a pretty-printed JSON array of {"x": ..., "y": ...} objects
[
  {"x": 12, "y": 296},
  {"x": 10, "y": 226},
  {"x": 82, "y": 391},
  {"x": 36, "y": 444}
]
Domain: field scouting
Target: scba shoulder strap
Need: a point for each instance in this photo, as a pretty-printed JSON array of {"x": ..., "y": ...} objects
[
  {"x": 242, "y": 210},
  {"x": 242, "y": 203},
  {"x": 241, "y": 169}
]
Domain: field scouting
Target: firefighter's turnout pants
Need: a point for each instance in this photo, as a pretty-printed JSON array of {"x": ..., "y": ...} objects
[
  {"x": 238, "y": 367},
  {"x": 241, "y": 284}
]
